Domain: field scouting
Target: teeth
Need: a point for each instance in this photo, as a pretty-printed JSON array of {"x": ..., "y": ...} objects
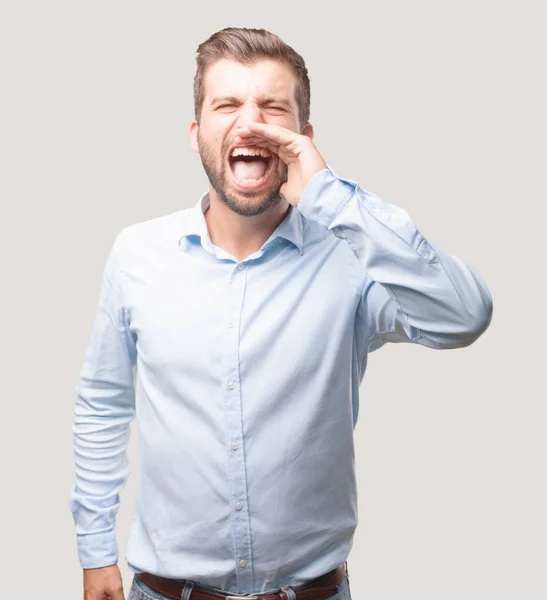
[
  {"x": 251, "y": 181},
  {"x": 251, "y": 152}
]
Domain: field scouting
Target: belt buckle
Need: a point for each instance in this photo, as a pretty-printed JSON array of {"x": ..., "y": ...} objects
[{"x": 243, "y": 597}]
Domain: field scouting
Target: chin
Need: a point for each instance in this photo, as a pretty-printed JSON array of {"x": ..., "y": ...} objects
[{"x": 250, "y": 204}]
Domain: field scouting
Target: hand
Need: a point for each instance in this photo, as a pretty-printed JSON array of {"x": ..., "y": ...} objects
[
  {"x": 104, "y": 583},
  {"x": 297, "y": 151}
]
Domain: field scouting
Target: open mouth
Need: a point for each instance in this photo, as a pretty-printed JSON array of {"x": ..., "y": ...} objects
[{"x": 251, "y": 172}]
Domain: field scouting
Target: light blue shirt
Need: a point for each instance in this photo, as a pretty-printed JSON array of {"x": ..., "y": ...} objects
[{"x": 244, "y": 377}]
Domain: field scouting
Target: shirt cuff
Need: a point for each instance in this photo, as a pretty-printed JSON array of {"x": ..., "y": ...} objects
[
  {"x": 324, "y": 195},
  {"x": 97, "y": 550}
]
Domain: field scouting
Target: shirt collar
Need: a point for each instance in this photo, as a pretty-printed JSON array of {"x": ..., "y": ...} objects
[{"x": 290, "y": 228}]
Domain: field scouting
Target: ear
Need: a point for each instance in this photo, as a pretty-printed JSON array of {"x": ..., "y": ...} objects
[
  {"x": 308, "y": 130},
  {"x": 193, "y": 134}
]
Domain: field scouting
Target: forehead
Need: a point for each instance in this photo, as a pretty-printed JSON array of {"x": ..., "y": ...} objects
[{"x": 264, "y": 78}]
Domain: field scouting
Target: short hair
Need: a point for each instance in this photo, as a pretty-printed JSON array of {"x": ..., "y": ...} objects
[{"x": 248, "y": 46}]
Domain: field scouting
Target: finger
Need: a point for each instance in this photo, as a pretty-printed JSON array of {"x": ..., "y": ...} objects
[
  {"x": 252, "y": 139},
  {"x": 279, "y": 135},
  {"x": 248, "y": 136},
  {"x": 273, "y": 133},
  {"x": 258, "y": 141}
]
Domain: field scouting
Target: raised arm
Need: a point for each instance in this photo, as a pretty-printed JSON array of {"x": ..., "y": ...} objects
[{"x": 412, "y": 291}]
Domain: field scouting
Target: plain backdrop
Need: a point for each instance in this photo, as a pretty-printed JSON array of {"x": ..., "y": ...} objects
[{"x": 438, "y": 107}]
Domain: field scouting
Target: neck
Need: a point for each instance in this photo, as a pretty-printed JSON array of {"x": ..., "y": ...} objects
[{"x": 240, "y": 235}]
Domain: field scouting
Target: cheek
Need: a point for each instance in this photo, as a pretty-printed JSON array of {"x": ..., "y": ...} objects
[
  {"x": 287, "y": 121},
  {"x": 215, "y": 150},
  {"x": 214, "y": 134}
]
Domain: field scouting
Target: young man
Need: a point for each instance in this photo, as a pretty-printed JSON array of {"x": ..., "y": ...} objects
[{"x": 247, "y": 321}]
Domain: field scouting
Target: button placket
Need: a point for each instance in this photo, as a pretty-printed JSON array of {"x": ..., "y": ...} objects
[{"x": 234, "y": 431}]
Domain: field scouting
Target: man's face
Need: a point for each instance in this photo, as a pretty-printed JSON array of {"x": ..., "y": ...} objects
[{"x": 235, "y": 94}]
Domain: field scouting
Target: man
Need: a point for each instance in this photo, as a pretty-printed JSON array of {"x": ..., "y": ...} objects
[{"x": 247, "y": 321}]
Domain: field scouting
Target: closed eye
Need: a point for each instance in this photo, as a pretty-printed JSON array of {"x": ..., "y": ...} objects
[{"x": 267, "y": 107}]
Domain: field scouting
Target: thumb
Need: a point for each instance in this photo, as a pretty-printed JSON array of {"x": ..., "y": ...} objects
[
  {"x": 116, "y": 592},
  {"x": 116, "y": 595}
]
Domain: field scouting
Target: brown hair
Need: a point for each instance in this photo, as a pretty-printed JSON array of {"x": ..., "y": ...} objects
[{"x": 248, "y": 46}]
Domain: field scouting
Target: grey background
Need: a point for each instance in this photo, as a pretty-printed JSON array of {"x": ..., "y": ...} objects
[{"x": 437, "y": 107}]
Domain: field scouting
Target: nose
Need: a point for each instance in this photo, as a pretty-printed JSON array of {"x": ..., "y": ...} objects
[{"x": 248, "y": 112}]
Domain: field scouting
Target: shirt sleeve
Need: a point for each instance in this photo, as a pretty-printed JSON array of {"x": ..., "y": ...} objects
[
  {"x": 412, "y": 291},
  {"x": 105, "y": 406}
]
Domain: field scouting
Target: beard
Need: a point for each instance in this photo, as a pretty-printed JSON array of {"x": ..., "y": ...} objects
[{"x": 246, "y": 204}]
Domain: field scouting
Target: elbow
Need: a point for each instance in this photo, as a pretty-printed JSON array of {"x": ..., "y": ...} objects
[
  {"x": 476, "y": 321},
  {"x": 486, "y": 316},
  {"x": 463, "y": 328},
  {"x": 478, "y": 311}
]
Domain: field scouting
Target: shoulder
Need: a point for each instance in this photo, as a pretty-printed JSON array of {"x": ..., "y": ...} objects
[{"x": 150, "y": 236}]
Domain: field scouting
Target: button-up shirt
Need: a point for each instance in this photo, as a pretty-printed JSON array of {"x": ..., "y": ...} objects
[{"x": 244, "y": 377}]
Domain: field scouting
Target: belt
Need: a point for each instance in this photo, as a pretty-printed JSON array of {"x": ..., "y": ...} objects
[{"x": 321, "y": 588}]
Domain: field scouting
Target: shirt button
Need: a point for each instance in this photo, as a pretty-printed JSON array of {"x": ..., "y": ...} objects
[
  {"x": 234, "y": 445},
  {"x": 240, "y": 267},
  {"x": 239, "y": 506},
  {"x": 231, "y": 323},
  {"x": 231, "y": 385},
  {"x": 242, "y": 562}
]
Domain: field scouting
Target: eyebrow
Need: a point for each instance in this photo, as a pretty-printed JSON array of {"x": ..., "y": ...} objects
[{"x": 269, "y": 100}]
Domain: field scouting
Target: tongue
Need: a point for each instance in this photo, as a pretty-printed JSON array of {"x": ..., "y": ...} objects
[{"x": 252, "y": 169}]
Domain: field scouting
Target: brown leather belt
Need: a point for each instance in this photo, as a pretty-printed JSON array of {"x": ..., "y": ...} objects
[{"x": 320, "y": 588}]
